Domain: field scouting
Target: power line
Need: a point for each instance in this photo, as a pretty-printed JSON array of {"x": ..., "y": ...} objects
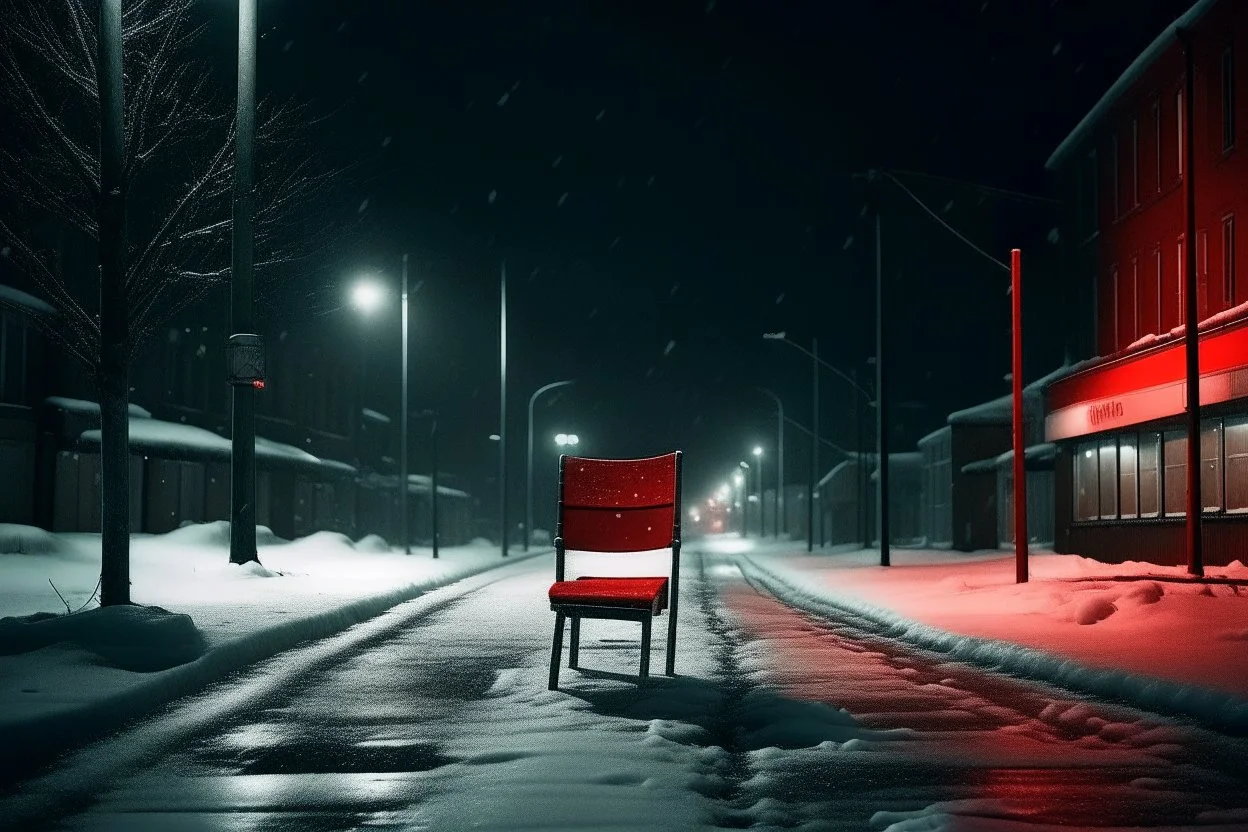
[
  {"x": 940, "y": 220},
  {"x": 1001, "y": 192}
]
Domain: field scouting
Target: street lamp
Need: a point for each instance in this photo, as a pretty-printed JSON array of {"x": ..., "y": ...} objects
[
  {"x": 782, "y": 520},
  {"x": 528, "y": 493},
  {"x": 758, "y": 464},
  {"x": 816, "y": 362},
  {"x": 565, "y": 440},
  {"x": 743, "y": 496},
  {"x": 367, "y": 296},
  {"x": 242, "y": 305}
]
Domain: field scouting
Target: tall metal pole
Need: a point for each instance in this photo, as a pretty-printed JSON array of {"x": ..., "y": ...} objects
[
  {"x": 861, "y": 470},
  {"x": 1021, "y": 536},
  {"x": 114, "y": 387},
  {"x": 814, "y": 445},
  {"x": 242, "y": 310},
  {"x": 762, "y": 525},
  {"x": 1191, "y": 335},
  {"x": 502, "y": 408},
  {"x": 433, "y": 477},
  {"x": 782, "y": 521},
  {"x": 404, "y": 520},
  {"x": 528, "y": 491},
  {"x": 881, "y": 397}
]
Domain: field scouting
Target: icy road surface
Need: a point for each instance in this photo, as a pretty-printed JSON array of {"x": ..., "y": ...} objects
[{"x": 435, "y": 716}]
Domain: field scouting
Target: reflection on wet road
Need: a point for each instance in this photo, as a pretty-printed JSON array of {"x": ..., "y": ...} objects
[{"x": 1002, "y": 747}]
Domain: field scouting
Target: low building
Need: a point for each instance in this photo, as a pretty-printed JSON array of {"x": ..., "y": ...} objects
[{"x": 1119, "y": 420}]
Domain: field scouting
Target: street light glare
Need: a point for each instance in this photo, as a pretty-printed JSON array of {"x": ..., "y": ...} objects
[
  {"x": 758, "y": 451},
  {"x": 367, "y": 296},
  {"x": 737, "y": 478}
]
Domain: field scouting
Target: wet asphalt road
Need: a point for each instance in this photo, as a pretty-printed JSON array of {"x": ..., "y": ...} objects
[{"x": 351, "y": 734}]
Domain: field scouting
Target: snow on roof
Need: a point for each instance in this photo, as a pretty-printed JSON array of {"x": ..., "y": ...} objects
[
  {"x": 934, "y": 436},
  {"x": 375, "y": 416},
  {"x": 16, "y": 297},
  {"x": 999, "y": 410},
  {"x": 904, "y": 461},
  {"x": 1044, "y": 452},
  {"x": 187, "y": 442},
  {"x": 84, "y": 406},
  {"x": 423, "y": 484},
  {"x": 1126, "y": 80}
]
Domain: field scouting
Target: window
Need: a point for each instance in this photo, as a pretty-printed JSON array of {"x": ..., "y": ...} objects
[
  {"x": 1228, "y": 99},
  {"x": 1133, "y": 331},
  {"x": 14, "y": 342},
  {"x": 1235, "y": 444},
  {"x": 1211, "y": 465},
  {"x": 1087, "y": 493},
  {"x": 1114, "y": 307},
  {"x": 1202, "y": 270},
  {"x": 1175, "y": 478},
  {"x": 1109, "y": 478},
  {"x": 1088, "y": 196},
  {"x": 1149, "y": 455},
  {"x": 1114, "y": 174},
  {"x": 1161, "y": 282},
  {"x": 1157, "y": 140},
  {"x": 1228, "y": 259},
  {"x": 1128, "y": 464},
  {"x": 1135, "y": 163},
  {"x": 1180, "y": 272},
  {"x": 1182, "y": 142}
]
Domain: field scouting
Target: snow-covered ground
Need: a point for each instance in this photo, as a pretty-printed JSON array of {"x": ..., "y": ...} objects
[
  {"x": 201, "y": 617},
  {"x": 1156, "y": 639},
  {"x": 773, "y": 721}
]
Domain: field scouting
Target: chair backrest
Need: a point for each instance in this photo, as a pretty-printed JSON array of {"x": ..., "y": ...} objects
[{"x": 619, "y": 505}]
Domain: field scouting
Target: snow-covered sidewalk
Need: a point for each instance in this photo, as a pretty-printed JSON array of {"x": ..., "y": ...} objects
[
  {"x": 65, "y": 677},
  {"x": 1156, "y": 640}
]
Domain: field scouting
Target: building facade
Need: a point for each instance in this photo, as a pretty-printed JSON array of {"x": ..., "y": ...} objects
[{"x": 1118, "y": 419}]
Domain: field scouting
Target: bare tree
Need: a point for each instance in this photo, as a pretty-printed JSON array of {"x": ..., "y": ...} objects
[{"x": 170, "y": 203}]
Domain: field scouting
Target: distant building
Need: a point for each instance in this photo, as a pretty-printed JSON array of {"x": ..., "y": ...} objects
[{"x": 1118, "y": 420}]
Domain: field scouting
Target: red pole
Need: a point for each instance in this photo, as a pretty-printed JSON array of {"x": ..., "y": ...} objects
[{"x": 1020, "y": 441}]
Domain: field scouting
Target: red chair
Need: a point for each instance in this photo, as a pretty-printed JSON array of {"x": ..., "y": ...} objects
[{"x": 616, "y": 505}]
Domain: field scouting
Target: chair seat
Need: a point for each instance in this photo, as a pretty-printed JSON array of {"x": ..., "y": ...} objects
[{"x": 630, "y": 593}]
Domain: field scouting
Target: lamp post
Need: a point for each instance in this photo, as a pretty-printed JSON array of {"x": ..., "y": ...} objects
[
  {"x": 367, "y": 296},
  {"x": 816, "y": 362},
  {"x": 758, "y": 466},
  {"x": 502, "y": 407},
  {"x": 242, "y": 307},
  {"x": 528, "y": 491},
  {"x": 782, "y": 520},
  {"x": 738, "y": 479}
]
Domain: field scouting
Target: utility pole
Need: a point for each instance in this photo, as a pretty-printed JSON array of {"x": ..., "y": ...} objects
[
  {"x": 433, "y": 477},
  {"x": 1021, "y": 537},
  {"x": 112, "y": 374},
  {"x": 242, "y": 309},
  {"x": 405, "y": 530},
  {"x": 502, "y": 409},
  {"x": 814, "y": 445},
  {"x": 881, "y": 398},
  {"x": 1191, "y": 335}
]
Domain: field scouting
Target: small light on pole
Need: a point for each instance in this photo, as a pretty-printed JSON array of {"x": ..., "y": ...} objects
[
  {"x": 758, "y": 466},
  {"x": 367, "y": 296}
]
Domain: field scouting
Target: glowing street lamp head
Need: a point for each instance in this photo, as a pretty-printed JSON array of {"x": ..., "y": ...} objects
[
  {"x": 758, "y": 450},
  {"x": 738, "y": 478},
  {"x": 367, "y": 296},
  {"x": 566, "y": 439}
]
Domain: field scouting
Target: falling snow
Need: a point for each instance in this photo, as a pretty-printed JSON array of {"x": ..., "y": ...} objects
[
  {"x": 493, "y": 196},
  {"x": 1057, "y": 47},
  {"x": 363, "y": 207},
  {"x": 562, "y": 199},
  {"x": 287, "y": 45},
  {"x": 556, "y": 163},
  {"x": 6, "y": 251},
  {"x": 1054, "y": 236},
  {"x": 363, "y": 75},
  {"x": 601, "y": 114},
  {"x": 948, "y": 206},
  {"x": 779, "y": 298},
  {"x": 849, "y": 241},
  {"x": 614, "y": 243},
  {"x": 671, "y": 345},
  {"x": 675, "y": 289},
  {"x": 503, "y": 100}
]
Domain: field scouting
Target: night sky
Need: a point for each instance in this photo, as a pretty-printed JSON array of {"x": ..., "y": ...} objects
[{"x": 668, "y": 180}]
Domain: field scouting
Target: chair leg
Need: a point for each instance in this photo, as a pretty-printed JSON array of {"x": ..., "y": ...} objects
[
  {"x": 574, "y": 645},
  {"x": 645, "y": 647},
  {"x": 555, "y": 650}
]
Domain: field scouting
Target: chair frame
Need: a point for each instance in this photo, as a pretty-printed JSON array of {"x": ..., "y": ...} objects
[{"x": 575, "y": 612}]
